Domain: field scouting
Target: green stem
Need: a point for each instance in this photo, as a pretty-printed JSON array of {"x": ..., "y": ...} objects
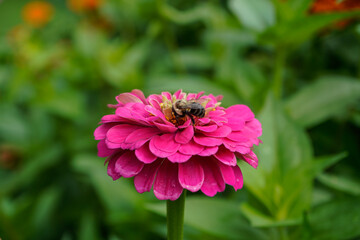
[
  {"x": 175, "y": 217},
  {"x": 278, "y": 76},
  {"x": 283, "y": 233}
]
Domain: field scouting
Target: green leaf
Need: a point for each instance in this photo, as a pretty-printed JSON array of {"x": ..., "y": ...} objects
[
  {"x": 181, "y": 17},
  {"x": 195, "y": 59},
  {"x": 325, "y": 98},
  {"x": 287, "y": 11},
  {"x": 215, "y": 216},
  {"x": 321, "y": 163},
  {"x": 302, "y": 28},
  {"x": 45, "y": 208},
  {"x": 13, "y": 127},
  {"x": 118, "y": 197},
  {"x": 202, "y": 12},
  {"x": 48, "y": 157},
  {"x": 249, "y": 82},
  {"x": 259, "y": 219},
  {"x": 300, "y": 6},
  {"x": 281, "y": 181},
  {"x": 341, "y": 183},
  {"x": 120, "y": 64},
  {"x": 68, "y": 104},
  {"x": 321, "y": 195},
  {"x": 287, "y": 146},
  {"x": 336, "y": 220},
  {"x": 89, "y": 227},
  {"x": 190, "y": 83},
  {"x": 88, "y": 40},
  {"x": 7, "y": 17},
  {"x": 256, "y": 15},
  {"x": 219, "y": 39}
]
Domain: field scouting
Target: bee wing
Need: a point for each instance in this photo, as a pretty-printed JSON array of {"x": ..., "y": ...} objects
[{"x": 203, "y": 101}]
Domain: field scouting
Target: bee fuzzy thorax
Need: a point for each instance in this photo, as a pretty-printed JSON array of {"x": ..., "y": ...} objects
[{"x": 191, "y": 109}]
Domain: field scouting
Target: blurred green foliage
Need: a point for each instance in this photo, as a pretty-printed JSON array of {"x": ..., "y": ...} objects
[{"x": 298, "y": 72}]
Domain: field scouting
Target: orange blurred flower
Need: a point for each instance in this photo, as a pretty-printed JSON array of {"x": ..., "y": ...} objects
[
  {"x": 327, "y": 6},
  {"x": 323, "y": 6},
  {"x": 84, "y": 5},
  {"x": 37, "y": 13}
]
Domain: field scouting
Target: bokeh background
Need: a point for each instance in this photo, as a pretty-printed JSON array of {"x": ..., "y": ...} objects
[{"x": 296, "y": 63}]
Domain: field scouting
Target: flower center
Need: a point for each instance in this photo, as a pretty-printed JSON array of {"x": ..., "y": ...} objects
[
  {"x": 170, "y": 115},
  {"x": 178, "y": 111}
]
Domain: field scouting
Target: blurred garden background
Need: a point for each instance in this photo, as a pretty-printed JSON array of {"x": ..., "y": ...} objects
[{"x": 296, "y": 63}]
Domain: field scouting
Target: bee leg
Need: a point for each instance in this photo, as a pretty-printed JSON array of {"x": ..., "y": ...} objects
[
  {"x": 192, "y": 119},
  {"x": 177, "y": 119}
]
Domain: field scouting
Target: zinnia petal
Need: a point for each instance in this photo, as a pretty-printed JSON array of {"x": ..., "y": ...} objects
[
  {"x": 178, "y": 157},
  {"x": 240, "y": 110},
  {"x": 236, "y": 124},
  {"x": 100, "y": 131},
  {"x": 119, "y": 133},
  {"x": 208, "y": 151},
  {"x": 208, "y": 128},
  {"x": 213, "y": 180},
  {"x": 127, "y": 97},
  {"x": 167, "y": 95},
  {"x": 207, "y": 141},
  {"x": 203, "y": 121},
  {"x": 191, "y": 148},
  {"x": 164, "y": 145},
  {"x": 111, "y": 170},
  {"x": 141, "y": 134},
  {"x": 232, "y": 175},
  {"x": 179, "y": 94},
  {"x": 128, "y": 165},
  {"x": 191, "y": 175},
  {"x": 165, "y": 127},
  {"x": 220, "y": 132},
  {"x": 185, "y": 135},
  {"x": 145, "y": 179},
  {"x": 250, "y": 158},
  {"x": 140, "y": 95},
  {"x": 112, "y": 118},
  {"x": 166, "y": 185},
  {"x": 103, "y": 150},
  {"x": 144, "y": 154},
  {"x": 226, "y": 156}
]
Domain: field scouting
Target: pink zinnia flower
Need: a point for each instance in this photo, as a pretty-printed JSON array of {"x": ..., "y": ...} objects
[{"x": 144, "y": 140}]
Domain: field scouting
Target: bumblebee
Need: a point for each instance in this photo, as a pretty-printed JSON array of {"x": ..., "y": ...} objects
[{"x": 182, "y": 108}]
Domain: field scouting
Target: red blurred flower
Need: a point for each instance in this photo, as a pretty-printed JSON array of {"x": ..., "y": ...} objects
[
  {"x": 324, "y": 6},
  {"x": 37, "y": 13},
  {"x": 327, "y": 6},
  {"x": 150, "y": 140},
  {"x": 84, "y": 5},
  {"x": 9, "y": 156}
]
